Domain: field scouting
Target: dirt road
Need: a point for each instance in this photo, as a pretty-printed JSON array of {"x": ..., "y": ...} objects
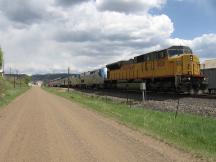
[{"x": 42, "y": 127}]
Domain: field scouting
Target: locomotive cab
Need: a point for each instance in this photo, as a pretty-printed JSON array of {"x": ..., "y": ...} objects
[
  {"x": 186, "y": 69},
  {"x": 184, "y": 62}
]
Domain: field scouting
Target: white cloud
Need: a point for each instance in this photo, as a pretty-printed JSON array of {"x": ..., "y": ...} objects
[
  {"x": 204, "y": 46},
  {"x": 25, "y": 11},
  {"x": 83, "y": 36}
]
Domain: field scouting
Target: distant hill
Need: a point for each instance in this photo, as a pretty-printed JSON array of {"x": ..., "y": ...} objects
[
  {"x": 11, "y": 76},
  {"x": 48, "y": 77}
]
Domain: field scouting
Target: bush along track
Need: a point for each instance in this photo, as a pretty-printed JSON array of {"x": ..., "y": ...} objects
[
  {"x": 192, "y": 133},
  {"x": 8, "y": 92}
]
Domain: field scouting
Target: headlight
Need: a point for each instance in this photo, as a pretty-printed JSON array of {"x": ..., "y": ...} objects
[{"x": 191, "y": 58}]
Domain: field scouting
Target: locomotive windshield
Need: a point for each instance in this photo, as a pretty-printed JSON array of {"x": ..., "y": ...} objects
[
  {"x": 179, "y": 51},
  {"x": 175, "y": 52}
]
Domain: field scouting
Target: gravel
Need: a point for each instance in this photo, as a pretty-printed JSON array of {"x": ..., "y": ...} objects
[
  {"x": 161, "y": 102},
  {"x": 205, "y": 107}
]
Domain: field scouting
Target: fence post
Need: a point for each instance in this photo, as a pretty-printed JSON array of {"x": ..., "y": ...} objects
[
  {"x": 143, "y": 89},
  {"x": 14, "y": 82},
  {"x": 177, "y": 108},
  {"x": 68, "y": 79},
  {"x": 127, "y": 92}
]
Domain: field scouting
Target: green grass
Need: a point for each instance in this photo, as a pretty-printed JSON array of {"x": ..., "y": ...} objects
[
  {"x": 192, "y": 133},
  {"x": 8, "y": 92}
]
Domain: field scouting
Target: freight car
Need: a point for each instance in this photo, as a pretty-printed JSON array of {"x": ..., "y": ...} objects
[
  {"x": 172, "y": 69},
  {"x": 211, "y": 75}
]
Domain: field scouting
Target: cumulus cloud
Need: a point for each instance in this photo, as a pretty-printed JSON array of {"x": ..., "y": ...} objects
[
  {"x": 129, "y": 6},
  {"x": 204, "y": 46},
  {"x": 40, "y": 36},
  {"x": 68, "y": 3},
  {"x": 24, "y": 11},
  {"x": 115, "y": 27}
]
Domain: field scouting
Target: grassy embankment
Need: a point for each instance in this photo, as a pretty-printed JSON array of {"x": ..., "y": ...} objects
[
  {"x": 192, "y": 133},
  {"x": 8, "y": 92}
]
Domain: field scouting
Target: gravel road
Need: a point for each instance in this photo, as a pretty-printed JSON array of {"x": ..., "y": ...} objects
[{"x": 39, "y": 126}]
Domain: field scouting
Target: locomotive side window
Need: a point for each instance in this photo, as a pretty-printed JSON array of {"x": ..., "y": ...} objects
[
  {"x": 161, "y": 55},
  {"x": 147, "y": 58},
  {"x": 153, "y": 56}
]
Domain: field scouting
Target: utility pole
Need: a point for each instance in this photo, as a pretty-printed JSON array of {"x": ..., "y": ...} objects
[
  {"x": 20, "y": 77},
  {"x": 10, "y": 71},
  {"x": 68, "y": 79},
  {"x": 20, "y": 82},
  {"x": 14, "y": 76}
]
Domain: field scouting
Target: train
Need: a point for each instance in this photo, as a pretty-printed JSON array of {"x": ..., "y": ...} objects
[
  {"x": 175, "y": 68},
  {"x": 211, "y": 75},
  {"x": 208, "y": 69}
]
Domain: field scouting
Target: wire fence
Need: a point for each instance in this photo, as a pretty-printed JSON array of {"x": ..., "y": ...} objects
[{"x": 156, "y": 101}]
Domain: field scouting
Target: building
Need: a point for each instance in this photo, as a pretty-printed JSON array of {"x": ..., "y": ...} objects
[
  {"x": 1, "y": 72},
  {"x": 209, "y": 71},
  {"x": 209, "y": 64}
]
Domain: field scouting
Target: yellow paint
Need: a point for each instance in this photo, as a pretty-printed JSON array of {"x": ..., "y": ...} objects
[{"x": 181, "y": 65}]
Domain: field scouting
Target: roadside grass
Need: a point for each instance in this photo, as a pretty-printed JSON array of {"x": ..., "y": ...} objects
[
  {"x": 8, "y": 92},
  {"x": 192, "y": 133}
]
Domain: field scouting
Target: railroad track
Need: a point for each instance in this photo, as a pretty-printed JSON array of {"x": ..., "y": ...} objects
[
  {"x": 204, "y": 105},
  {"x": 137, "y": 95}
]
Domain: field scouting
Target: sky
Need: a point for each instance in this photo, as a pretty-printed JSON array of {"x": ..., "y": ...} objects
[{"x": 48, "y": 36}]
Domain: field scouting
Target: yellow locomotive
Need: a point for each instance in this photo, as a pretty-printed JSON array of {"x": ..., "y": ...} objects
[{"x": 175, "y": 68}]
